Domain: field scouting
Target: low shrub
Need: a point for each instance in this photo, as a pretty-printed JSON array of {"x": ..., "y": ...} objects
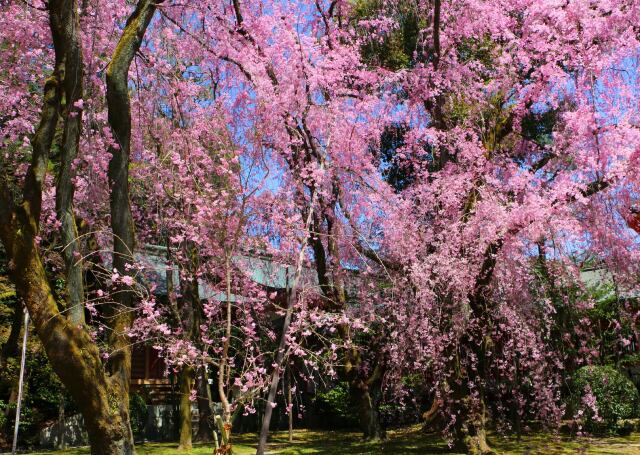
[
  {"x": 137, "y": 415},
  {"x": 603, "y": 397},
  {"x": 334, "y": 407}
]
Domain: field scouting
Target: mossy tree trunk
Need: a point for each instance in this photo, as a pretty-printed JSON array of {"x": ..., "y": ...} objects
[
  {"x": 470, "y": 428},
  {"x": 188, "y": 311},
  {"x": 73, "y": 354},
  {"x": 100, "y": 391},
  {"x": 367, "y": 399},
  {"x": 72, "y": 87},
  {"x": 185, "y": 383}
]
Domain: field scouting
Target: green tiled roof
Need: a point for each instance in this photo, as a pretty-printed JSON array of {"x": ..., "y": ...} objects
[{"x": 259, "y": 269}]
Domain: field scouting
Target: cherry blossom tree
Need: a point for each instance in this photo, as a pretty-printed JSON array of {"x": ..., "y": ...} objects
[
  {"x": 485, "y": 190},
  {"x": 439, "y": 166}
]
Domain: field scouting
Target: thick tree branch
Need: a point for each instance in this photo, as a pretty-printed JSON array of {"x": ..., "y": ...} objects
[
  {"x": 41, "y": 143},
  {"x": 119, "y": 115},
  {"x": 375, "y": 257},
  {"x": 542, "y": 162},
  {"x": 121, "y": 218},
  {"x": 595, "y": 187},
  {"x": 72, "y": 117}
]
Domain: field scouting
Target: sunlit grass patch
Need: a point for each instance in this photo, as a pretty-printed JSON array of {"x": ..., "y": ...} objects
[{"x": 403, "y": 441}]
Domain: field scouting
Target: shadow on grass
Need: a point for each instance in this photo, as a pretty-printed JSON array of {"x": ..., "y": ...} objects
[
  {"x": 407, "y": 441},
  {"x": 338, "y": 442}
]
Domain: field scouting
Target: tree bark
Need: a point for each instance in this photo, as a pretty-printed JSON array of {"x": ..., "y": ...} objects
[
  {"x": 367, "y": 400},
  {"x": 275, "y": 376},
  {"x": 470, "y": 428},
  {"x": 185, "y": 382},
  {"x": 72, "y": 126},
  {"x": 189, "y": 319},
  {"x": 205, "y": 413},
  {"x": 365, "y": 390},
  {"x": 119, "y": 116},
  {"x": 71, "y": 351},
  {"x": 73, "y": 355},
  {"x": 223, "y": 370},
  {"x": 430, "y": 417}
]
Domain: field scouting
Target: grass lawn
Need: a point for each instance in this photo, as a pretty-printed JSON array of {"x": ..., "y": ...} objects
[{"x": 405, "y": 441}]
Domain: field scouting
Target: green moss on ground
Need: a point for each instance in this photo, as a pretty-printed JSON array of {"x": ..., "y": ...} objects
[{"x": 405, "y": 441}]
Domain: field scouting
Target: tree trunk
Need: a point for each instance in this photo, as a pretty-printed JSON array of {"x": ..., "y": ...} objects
[
  {"x": 224, "y": 422},
  {"x": 367, "y": 400},
  {"x": 72, "y": 127},
  {"x": 71, "y": 351},
  {"x": 430, "y": 418},
  {"x": 365, "y": 390},
  {"x": 102, "y": 399},
  {"x": 273, "y": 386},
  {"x": 205, "y": 413},
  {"x": 61, "y": 444},
  {"x": 188, "y": 312},
  {"x": 73, "y": 355},
  {"x": 470, "y": 429},
  {"x": 119, "y": 116},
  {"x": 280, "y": 353},
  {"x": 185, "y": 383}
]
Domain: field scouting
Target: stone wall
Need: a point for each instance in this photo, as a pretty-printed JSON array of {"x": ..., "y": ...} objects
[
  {"x": 70, "y": 434},
  {"x": 161, "y": 426},
  {"x": 161, "y": 423}
]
